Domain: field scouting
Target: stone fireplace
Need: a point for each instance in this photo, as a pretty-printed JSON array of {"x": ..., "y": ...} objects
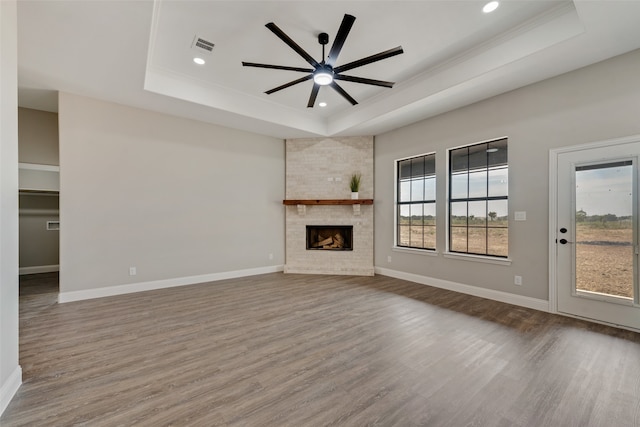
[{"x": 326, "y": 231}]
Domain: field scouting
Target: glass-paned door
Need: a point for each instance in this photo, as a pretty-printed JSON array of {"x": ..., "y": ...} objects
[{"x": 596, "y": 236}]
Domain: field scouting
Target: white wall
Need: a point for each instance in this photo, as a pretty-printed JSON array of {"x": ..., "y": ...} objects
[
  {"x": 596, "y": 103},
  {"x": 10, "y": 372},
  {"x": 172, "y": 197}
]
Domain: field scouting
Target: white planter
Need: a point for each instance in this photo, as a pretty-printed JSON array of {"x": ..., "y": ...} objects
[{"x": 354, "y": 195}]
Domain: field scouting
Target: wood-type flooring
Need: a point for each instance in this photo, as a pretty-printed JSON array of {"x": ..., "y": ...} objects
[{"x": 306, "y": 350}]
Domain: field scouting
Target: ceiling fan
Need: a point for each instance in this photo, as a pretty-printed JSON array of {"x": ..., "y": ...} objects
[{"x": 325, "y": 73}]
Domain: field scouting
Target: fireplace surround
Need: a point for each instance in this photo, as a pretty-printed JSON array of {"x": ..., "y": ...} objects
[{"x": 318, "y": 194}]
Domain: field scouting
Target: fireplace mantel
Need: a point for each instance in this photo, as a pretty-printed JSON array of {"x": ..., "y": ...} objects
[
  {"x": 328, "y": 202},
  {"x": 302, "y": 204}
]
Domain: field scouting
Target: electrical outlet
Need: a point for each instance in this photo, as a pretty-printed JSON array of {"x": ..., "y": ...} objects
[
  {"x": 389, "y": 258},
  {"x": 271, "y": 256},
  {"x": 132, "y": 271},
  {"x": 517, "y": 280}
]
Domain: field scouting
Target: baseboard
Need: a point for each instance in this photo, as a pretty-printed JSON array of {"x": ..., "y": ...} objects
[
  {"x": 522, "y": 301},
  {"x": 38, "y": 269},
  {"x": 329, "y": 271},
  {"x": 161, "y": 284},
  {"x": 9, "y": 388}
]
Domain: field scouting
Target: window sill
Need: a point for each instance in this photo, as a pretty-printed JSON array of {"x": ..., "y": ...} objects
[
  {"x": 478, "y": 258},
  {"x": 427, "y": 252}
]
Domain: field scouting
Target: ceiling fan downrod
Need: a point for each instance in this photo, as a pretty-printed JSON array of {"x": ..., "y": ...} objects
[{"x": 323, "y": 39}]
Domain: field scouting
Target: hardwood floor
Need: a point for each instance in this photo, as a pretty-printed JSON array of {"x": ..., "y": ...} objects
[{"x": 298, "y": 350}]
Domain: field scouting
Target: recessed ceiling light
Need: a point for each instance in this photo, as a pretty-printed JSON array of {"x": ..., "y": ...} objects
[
  {"x": 198, "y": 61},
  {"x": 323, "y": 104},
  {"x": 490, "y": 7}
]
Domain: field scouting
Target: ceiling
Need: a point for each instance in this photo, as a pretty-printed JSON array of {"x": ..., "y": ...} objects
[{"x": 140, "y": 53}]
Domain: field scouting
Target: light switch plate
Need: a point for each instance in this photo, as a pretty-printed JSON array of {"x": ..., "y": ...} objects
[{"x": 520, "y": 216}]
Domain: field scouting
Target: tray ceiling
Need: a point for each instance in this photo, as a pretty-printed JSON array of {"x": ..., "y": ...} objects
[{"x": 140, "y": 53}]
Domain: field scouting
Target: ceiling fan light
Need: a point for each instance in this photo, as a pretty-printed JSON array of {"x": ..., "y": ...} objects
[{"x": 323, "y": 78}]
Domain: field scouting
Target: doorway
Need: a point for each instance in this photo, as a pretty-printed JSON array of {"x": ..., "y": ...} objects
[{"x": 594, "y": 232}]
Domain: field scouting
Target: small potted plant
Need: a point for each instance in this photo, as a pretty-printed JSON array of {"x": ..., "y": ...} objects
[{"x": 355, "y": 185}]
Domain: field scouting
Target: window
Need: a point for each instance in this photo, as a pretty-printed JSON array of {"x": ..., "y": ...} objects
[
  {"x": 478, "y": 199},
  {"x": 416, "y": 202}
]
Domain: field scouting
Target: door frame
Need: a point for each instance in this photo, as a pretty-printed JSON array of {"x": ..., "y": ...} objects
[{"x": 553, "y": 214}]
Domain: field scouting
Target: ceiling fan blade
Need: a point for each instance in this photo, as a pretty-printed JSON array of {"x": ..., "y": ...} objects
[
  {"x": 293, "y": 45},
  {"x": 342, "y": 92},
  {"x": 369, "y": 59},
  {"x": 286, "y": 85},
  {"x": 313, "y": 96},
  {"x": 278, "y": 67},
  {"x": 341, "y": 36},
  {"x": 363, "y": 80}
]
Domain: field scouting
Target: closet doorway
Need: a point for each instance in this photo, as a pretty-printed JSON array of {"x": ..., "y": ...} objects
[{"x": 39, "y": 225}]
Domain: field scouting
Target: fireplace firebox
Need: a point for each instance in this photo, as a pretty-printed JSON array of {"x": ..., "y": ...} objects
[{"x": 330, "y": 237}]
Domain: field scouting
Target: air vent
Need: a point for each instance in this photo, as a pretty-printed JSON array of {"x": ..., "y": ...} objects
[{"x": 202, "y": 45}]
